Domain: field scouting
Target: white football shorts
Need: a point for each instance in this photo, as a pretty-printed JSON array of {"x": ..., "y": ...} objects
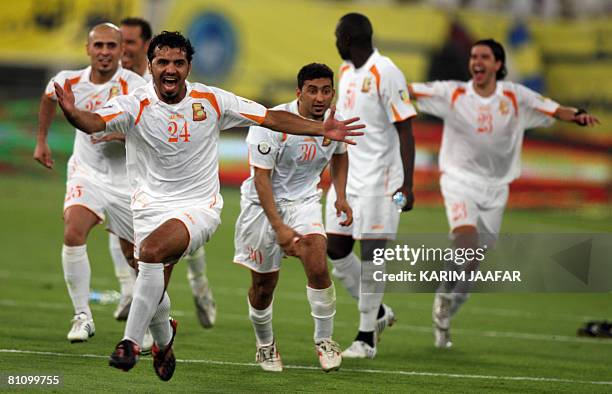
[{"x": 255, "y": 240}]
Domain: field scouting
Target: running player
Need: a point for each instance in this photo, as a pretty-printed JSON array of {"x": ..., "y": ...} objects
[
  {"x": 484, "y": 122},
  {"x": 172, "y": 130},
  {"x": 286, "y": 169},
  {"x": 137, "y": 35},
  {"x": 380, "y": 166},
  {"x": 97, "y": 186}
]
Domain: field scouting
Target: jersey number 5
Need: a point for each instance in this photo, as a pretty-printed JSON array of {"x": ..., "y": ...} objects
[{"x": 176, "y": 133}]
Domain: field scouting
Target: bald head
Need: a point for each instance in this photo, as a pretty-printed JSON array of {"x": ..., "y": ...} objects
[
  {"x": 104, "y": 28},
  {"x": 104, "y": 47}
]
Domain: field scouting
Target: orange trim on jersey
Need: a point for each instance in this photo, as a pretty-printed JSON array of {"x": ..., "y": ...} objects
[
  {"x": 73, "y": 81},
  {"x": 284, "y": 137},
  {"x": 396, "y": 115},
  {"x": 512, "y": 98},
  {"x": 124, "y": 86},
  {"x": 374, "y": 71},
  {"x": 143, "y": 104},
  {"x": 110, "y": 117},
  {"x": 255, "y": 118},
  {"x": 342, "y": 70},
  {"x": 50, "y": 94},
  {"x": 458, "y": 92},
  {"x": 549, "y": 113},
  {"x": 417, "y": 95},
  {"x": 207, "y": 96}
]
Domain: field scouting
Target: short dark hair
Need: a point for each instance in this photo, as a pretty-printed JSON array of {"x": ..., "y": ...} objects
[
  {"x": 314, "y": 71},
  {"x": 358, "y": 27},
  {"x": 145, "y": 28},
  {"x": 171, "y": 39},
  {"x": 498, "y": 53}
]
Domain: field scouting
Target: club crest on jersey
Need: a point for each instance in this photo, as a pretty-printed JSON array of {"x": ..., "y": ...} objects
[
  {"x": 326, "y": 141},
  {"x": 367, "y": 85},
  {"x": 503, "y": 107},
  {"x": 198, "y": 112},
  {"x": 113, "y": 92},
  {"x": 404, "y": 96},
  {"x": 264, "y": 148}
]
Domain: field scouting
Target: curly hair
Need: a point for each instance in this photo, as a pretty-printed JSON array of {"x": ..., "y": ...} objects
[{"x": 171, "y": 39}]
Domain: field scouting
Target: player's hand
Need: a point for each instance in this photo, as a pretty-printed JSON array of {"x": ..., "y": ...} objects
[
  {"x": 586, "y": 119},
  {"x": 343, "y": 206},
  {"x": 409, "y": 198},
  {"x": 42, "y": 154},
  {"x": 65, "y": 97},
  {"x": 114, "y": 136},
  {"x": 287, "y": 238},
  {"x": 338, "y": 130}
]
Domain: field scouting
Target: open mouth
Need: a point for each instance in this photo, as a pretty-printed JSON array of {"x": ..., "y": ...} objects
[
  {"x": 169, "y": 83},
  {"x": 478, "y": 71},
  {"x": 318, "y": 108}
]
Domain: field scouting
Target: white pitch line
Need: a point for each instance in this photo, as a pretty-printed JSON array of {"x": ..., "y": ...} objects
[
  {"x": 355, "y": 370},
  {"x": 400, "y": 327}
]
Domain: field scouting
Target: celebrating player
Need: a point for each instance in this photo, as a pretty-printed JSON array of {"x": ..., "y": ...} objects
[
  {"x": 286, "y": 169},
  {"x": 172, "y": 130},
  {"x": 137, "y": 34},
  {"x": 484, "y": 122},
  {"x": 380, "y": 166},
  {"x": 97, "y": 186}
]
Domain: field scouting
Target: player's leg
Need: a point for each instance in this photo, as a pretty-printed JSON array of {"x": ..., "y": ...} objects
[
  {"x": 165, "y": 245},
  {"x": 126, "y": 275},
  {"x": 321, "y": 296},
  {"x": 206, "y": 308},
  {"x": 78, "y": 221},
  {"x": 260, "y": 299},
  {"x": 340, "y": 242}
]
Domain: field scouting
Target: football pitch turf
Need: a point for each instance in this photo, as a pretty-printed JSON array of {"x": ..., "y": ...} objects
[{"x": 502, "y": 342}]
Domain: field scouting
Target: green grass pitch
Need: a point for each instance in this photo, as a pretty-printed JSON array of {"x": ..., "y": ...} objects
[{"x": 502, "y": 342}]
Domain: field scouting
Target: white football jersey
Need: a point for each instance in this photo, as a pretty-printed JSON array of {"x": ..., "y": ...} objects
[
  {"x": 105, "y": 161},
  {"x": 482, "y": 136},
  {"x": 172, "y": 149},
  {"x": 296, "y": 161},
  {"x": 377, "y": 93}
]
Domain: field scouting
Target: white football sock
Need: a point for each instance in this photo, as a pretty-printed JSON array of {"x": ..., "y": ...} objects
[
  {"x": 323, "y": 308},
  {"x": 348, "y": 271},
  {"x": 126, "y": 275},
  {"x": 369, "y": 302},
  {"x": 196, "y": 268},
  {"x": 148, "y": 291},
  {"x": 160, "y": 327},
  {"x": 262, "y": 323},
  {"x": 77, "y": 274}
]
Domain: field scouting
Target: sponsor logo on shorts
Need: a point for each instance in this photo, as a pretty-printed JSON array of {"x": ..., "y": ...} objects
[
  {"x": 264, "y": 148},
  {"x": 189, "y": 217},
  {"x": 198, "y": 112}
]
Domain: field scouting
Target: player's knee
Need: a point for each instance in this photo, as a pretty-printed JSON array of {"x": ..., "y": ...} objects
[
  {"x": 262, "y": 288},
  {"x": 74, "y": 236},
  {"x": 151, "y": 253}
]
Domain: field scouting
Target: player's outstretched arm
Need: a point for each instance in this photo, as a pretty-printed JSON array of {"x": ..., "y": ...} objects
[
  {"x": 339, "y": 173},
  {"x": 334, "y": 129},
  {"x": 46, "y": 113},
  {"x": 285, "y": 235},
  {"x": 85, "y": 121},
  {"x": 406, "y": 138},
  {"x": 578, "y": 116}
]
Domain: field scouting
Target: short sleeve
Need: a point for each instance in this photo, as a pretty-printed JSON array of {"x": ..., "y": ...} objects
[
  {"x": 432, "y": 97},
  {"x": 263, "y": 145},
  {"x": 538, "y": 111},
  {"x": 237, "y": 111},
  {"x": 60, "y": 78},
  {"x": 120, "y": 113},
  {"x": 395, "y": 96}
]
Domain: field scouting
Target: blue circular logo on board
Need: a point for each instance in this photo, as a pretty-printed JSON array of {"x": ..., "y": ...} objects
[{"x": 214, "y": 40}]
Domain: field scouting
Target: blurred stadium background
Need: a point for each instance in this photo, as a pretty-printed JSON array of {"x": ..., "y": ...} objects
[{"x": 505, "y": 342}]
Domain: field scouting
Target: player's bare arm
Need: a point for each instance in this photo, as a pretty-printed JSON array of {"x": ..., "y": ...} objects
[
  {"x": 406, "y": 138},
  {"x": 339, "y": 173},
  {"x": 580, "y": 117},
  {"x": 285, "y": 235},
  {"x": 85, "y": 121},
  {"x": 46, "y": 113},
  {"x": 334, "y": 129}
]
